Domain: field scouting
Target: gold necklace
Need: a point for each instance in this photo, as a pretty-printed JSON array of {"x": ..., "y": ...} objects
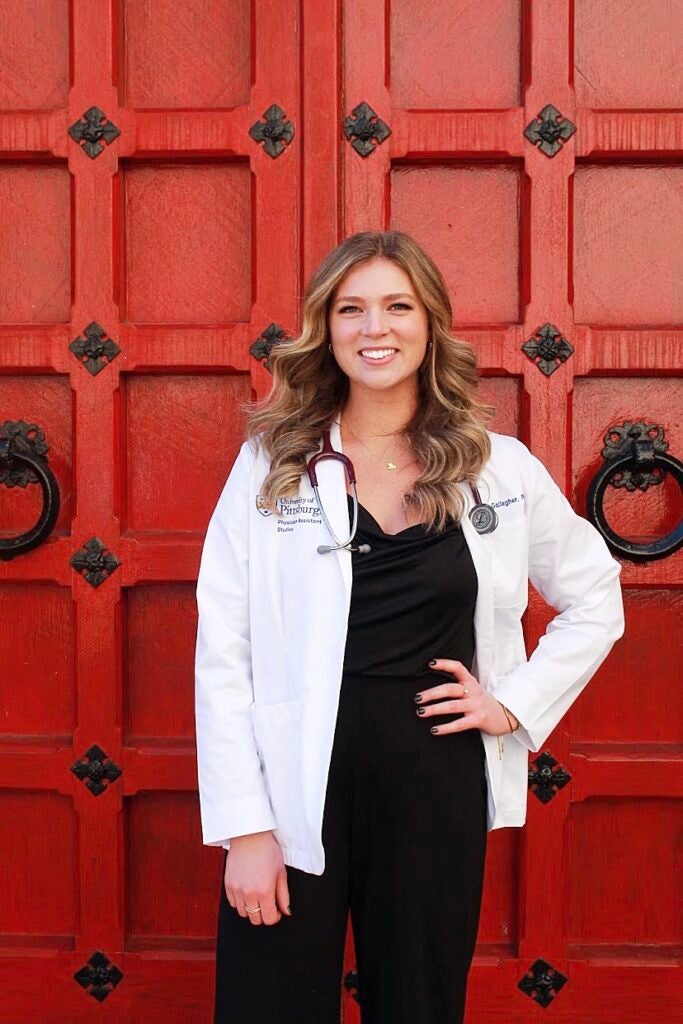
[{"x": 389, "y": 463}]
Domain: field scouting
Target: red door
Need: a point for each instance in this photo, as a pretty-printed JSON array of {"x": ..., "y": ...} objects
[{"x": 169, "y": 176}]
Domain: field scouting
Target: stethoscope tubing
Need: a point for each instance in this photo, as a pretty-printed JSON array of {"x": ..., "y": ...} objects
[{"x": 483, "y": 516}]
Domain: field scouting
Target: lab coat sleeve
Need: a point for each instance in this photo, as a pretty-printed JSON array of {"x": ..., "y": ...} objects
[
  {"x": 232, "y": 792},
  {"x": 572, "y": 568}
]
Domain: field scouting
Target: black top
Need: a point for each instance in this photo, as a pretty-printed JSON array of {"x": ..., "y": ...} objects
[{"x": 412, "y": 599}]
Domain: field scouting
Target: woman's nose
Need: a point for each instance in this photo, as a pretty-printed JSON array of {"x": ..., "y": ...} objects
[{"x": 374, "y": 325}]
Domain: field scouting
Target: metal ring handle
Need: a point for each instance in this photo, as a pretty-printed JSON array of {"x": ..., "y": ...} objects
[
  {"x": 628, "y": 549},
  {"x": 10, "y": 548}
]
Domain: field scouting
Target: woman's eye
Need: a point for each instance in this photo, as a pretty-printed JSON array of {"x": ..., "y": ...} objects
[{"x": 403, "y": 305}]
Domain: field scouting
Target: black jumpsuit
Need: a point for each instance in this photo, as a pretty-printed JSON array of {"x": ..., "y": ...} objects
[{"x": 404, "y": 826}]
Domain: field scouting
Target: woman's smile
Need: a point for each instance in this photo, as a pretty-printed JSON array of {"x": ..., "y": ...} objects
[{"x": 380, "y": 356}]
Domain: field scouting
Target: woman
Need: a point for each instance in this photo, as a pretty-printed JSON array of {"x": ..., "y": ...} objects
[{"x": 354, "y": 699}]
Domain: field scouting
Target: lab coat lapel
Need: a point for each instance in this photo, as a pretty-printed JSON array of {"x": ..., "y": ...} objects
[
  {"x": 480, "y": 551},
  {"x": 332, "y": 490}
]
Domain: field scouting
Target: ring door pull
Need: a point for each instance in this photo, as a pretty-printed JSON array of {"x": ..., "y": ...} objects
[
  {"x": 635, "y": 458},
  {"x": 23, "y": 461}
]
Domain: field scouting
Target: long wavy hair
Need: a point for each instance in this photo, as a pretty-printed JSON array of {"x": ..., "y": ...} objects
[{"x": 447, "y": 433}]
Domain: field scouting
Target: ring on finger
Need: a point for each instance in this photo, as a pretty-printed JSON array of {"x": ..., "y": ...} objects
[
  {"x": 252, "y": 910},
  {"x": 465, "y": 691}
]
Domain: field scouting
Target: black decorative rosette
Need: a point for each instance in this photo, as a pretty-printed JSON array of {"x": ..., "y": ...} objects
[
  {"x": 547, "y": 776},
  {"x": 96, "y": 770},
  {"x": 547, "y": 348},
  {"x": 363, "y": 128},
  {"x": 94, "y": 562},
  {"x": 542, "y": 982},
  {"x": 99, "y": 976},
  {"x": 92, "y": 129},
  {"x": 549, "y": 130},
  {"x": 276, "y": 132},
  {"x": 264, "y": 344},
  {"x": 95, "y": 350}
]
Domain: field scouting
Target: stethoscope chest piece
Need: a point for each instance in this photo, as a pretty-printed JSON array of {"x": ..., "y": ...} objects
[{"x": 483, "y": 517}]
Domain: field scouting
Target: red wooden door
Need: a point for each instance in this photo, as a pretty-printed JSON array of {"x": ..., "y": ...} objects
[{"x": 169, "y": 176}]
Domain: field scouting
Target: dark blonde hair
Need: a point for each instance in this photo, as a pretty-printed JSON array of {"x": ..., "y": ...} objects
[{"x": 446, "y": 434}]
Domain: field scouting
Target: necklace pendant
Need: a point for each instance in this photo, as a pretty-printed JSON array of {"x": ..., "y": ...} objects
[{"x": 390, "y": 464}]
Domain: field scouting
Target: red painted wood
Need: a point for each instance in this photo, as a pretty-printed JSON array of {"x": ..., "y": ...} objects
[{"x": 185, "y": 240}]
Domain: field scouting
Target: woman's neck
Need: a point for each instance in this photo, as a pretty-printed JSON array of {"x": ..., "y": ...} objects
[{"x": 372, "y": 413}]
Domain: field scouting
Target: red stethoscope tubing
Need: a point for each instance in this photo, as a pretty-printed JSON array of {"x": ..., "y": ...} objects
[{"x": 484, "y": 517}]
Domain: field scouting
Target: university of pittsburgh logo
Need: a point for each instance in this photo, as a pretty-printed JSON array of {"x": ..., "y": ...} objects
[{"x": 261, "y": 508}]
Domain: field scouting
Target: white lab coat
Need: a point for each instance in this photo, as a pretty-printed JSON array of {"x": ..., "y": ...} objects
[{"x": 273, "y": 616}]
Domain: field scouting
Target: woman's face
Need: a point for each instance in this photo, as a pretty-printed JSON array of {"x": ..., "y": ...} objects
[{"x": 378, "y": 326}]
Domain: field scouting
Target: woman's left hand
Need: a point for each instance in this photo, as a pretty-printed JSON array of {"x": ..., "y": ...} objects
[{"x": 464, "y": 696}]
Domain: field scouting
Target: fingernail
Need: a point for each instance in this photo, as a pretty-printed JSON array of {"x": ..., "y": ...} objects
[
  {"x": 433, "y": 661},
  {"x": 289, "y": 910},
  {"x": 417, "y": 698},
  {"x": 434, "y": 728},
  {"x": 421, "y": 711}
]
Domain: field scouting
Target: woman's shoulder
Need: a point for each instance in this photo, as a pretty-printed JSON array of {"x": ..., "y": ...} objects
[{"x": 505, "y": 446}]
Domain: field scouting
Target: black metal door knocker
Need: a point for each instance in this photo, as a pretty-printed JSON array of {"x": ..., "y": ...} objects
[
  {"x": 23, "y": 461},
  {"x": 635, "y": 458}
]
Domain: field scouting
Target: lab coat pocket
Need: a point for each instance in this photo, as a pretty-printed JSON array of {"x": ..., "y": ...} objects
[
  {"x": 277, "y": 729},
  {"x": 510, "y": 563}
]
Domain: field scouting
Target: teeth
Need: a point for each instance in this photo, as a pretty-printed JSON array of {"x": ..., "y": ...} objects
[{"x": 377, "y": 353}]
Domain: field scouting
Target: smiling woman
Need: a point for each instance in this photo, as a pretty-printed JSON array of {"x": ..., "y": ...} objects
[
  {"x": 352, "y": 698},
  {"x": 376, "y": 345}
]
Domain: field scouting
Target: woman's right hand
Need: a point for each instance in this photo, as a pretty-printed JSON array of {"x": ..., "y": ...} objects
[{"x": 256, "y": 876}]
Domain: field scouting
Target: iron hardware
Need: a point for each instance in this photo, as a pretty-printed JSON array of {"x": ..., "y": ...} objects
[
  {"x": 94, "y": 561},
  {"x": 546, "y": 132},
  {"x": 542, "y": 982},
  {"x": 547, "y": 348},
  {"x": 99, "y": 976},
  {"x": 95, "y": 350},
  {"x": 546, "y": 777},
  {"x": 91, "y": 129},
  {"x": 363, "y": 127},
  {"x": 275, "y": 132},
  {"x": 264, "y": 344},
  {"x": 96, "y": 770},
  {"x": 23, "y": 461},
  {"x": 635, "y": 458}
]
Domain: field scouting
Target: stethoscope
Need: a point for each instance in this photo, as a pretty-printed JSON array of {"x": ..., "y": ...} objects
[{"x": 483, "y": 517}]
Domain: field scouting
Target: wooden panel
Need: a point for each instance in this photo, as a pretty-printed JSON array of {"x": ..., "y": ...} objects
[
  {"x": 187, "y": 56},
  {"x": 628, "y": 54},
  {"x": 467, "y": 218},
  {"x": 35, "y": 243},
  {"x": 37, "y": 686},
  {"x": 648, "y": 659},
  {"x": 164, "y": 845},
  {"x": 634, "y": 210},
  {"x": 187, "y": 242},
  {"x": 451, "y": 56},
  {"x": 34, "y": 54},
  {"x": 617, "y": 902},
  {"x": 499, "y": 923},
  {"x": 182, "y": 434},
  {"x": 505, "y": 394},
  {"x": 160, "y": 624},
  {"x": 39, "y": 907}
]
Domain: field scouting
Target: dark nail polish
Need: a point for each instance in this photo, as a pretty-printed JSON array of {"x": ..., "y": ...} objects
[
  {"x": 433, "y": 661},
  {"x": 417, "y": 698},
  {"x": 289, "y": 910},
  {"x": 421, "y": 711},
  {"x": 434, "y": 728}
]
